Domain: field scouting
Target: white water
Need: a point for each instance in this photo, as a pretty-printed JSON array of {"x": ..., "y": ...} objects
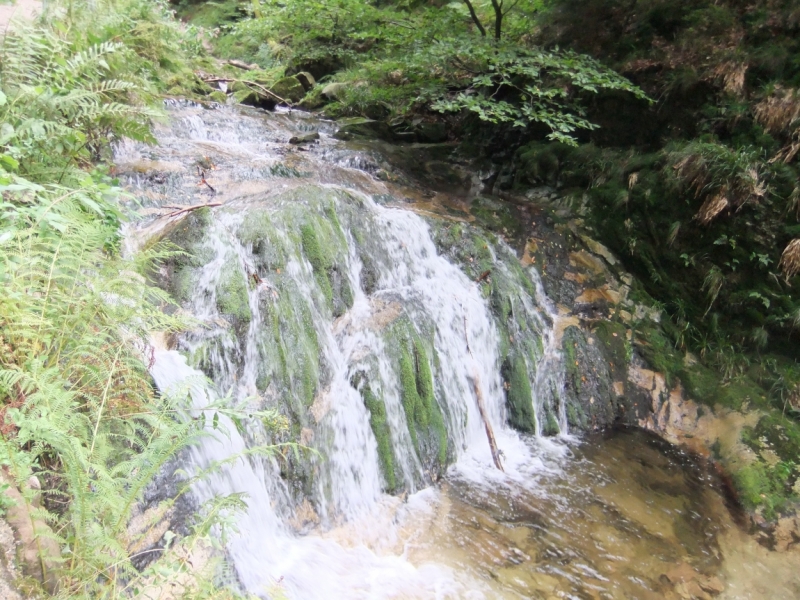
[
  {"x": 360, "y": 549},
  {"x": 551, "y": 525},
  {"x": 265, "y": 553}
]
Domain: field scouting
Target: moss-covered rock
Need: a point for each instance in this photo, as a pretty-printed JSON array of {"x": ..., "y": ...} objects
[
  {"x": 331, "y": 277},
  {"x": 423, "y": 414},
  {"x": 380, "y": 428},
  {"x": 519, "y": 397},
  {"x": 289, "y": 88},
  {"x": 232, "y": 293}
]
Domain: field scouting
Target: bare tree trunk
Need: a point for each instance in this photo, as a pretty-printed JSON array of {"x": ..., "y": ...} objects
[
  {"x": 497, "y": 5},
  {"x": 475, "y": 18}
]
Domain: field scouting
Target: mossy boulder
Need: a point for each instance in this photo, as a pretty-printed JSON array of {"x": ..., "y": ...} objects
[
  {"x": 289, "y": 88},
  {"x": 358, "y": 127},
  {"x": 519, "y": 396},
  {"x": 380, "y": 428},
  {"x": 423, "y": 414},
  {"x": 232, "y": 294},
  {"x": 331, "y": 277}
]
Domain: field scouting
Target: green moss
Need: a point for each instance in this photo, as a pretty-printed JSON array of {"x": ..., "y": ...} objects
[
  {"x": 219, "y": 97},
  {"x": 382, "y": 431},
  {"x": 781, "y": 435},
  {"x": 613, "y": 337},
  {"x": 320, "y": 261},
  {"x": 519, "y": 397},
  {"x": 323, "y": 240},
  {"x": 408, "y": 385},
  {"x": 576, "y": 417},
  {"x": 424, "y": 417},
  {"x": 550, "y": 422},
  {"x": 500, "y": 217},
  {"x": 540, "y": 163},
  {"x": 570, "y": 347},
  {"x": 760, "y": 485},
  {"x": 183, "y": 282},
  {"x": 232, "y": 298}
]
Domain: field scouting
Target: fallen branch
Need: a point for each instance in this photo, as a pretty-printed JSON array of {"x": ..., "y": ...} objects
[
  {"x": 476, "y": 384},
  {"x": 185, "y": 209},
  {"x": 260, "y": 87},
  {"x": 486, "y": 425},
  {"x": 241, "y": 65},
  {"x": 266, "y": 91}
]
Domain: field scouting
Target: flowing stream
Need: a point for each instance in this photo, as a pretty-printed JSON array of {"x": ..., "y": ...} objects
[{"x": 325, "y": 291}]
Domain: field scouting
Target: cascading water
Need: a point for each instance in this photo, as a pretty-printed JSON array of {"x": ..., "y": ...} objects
[
  {"x": 432, "y": 290},
  {"x": 343, "y": 314}
]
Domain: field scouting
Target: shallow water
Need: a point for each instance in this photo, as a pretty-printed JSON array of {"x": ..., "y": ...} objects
[{"x": 618, "y": 515}]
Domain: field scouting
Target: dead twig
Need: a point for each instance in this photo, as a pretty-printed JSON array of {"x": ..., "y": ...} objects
[
  {"x": 202, "y": 174},
  {"x": 186, "y": 209},
  {"x": 250, "y": 84}
]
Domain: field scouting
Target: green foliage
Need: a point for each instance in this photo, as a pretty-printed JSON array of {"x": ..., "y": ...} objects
[
  {"x": 521, "y": 86},
  {"x": 77, "y": 401},
  {"x": 395, "y": 61},
  {"x": 58, "y": 113},
  {"x": 762, "y": 485},
  {"x": 77, "y": 405}
]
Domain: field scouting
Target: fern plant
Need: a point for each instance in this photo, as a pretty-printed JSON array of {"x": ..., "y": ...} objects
[
  {"x": 59, "y": 113},
  {"x": 77, "y": 405}
]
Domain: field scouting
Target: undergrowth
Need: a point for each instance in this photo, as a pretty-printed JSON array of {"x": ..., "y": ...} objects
[{"x": 77, "y": 406}]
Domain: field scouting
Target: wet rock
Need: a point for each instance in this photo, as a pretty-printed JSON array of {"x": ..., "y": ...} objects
[
  {"x": 305, "y": 138},
  {"x": 258, "y": 100},
  {"x": 289, "y": 88},
  {"x": 597, "y": 248},
  {"x": 787, "y": 534},
  {"x": 362, "y": 128},
  {"x": 334, "y": 91},
  {"x": 219, "y": 97},
  {"x": 692, "y": 585},
  {"x": 306, "y": 79},
  {"x": 318, "y": 67},
  {"x": 587, "y": 261},
  {"x": 712, "y": 585},
  {"x": 8, "y": 571},
  {"x": 431, "y": 133},
  {"x": 305, "y": 517},
  {"x": 38, "y": 554}
]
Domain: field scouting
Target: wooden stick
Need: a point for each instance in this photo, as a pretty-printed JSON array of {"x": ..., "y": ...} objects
[
  {"x": 487, "y": 426},
  {"x": 476, "y": 384},
  {"x": 248, "y": 83},
  {"x": 241, "y": 65},
  {"x": 202, "y": 174},
  {"x": 186, "y": 209}
]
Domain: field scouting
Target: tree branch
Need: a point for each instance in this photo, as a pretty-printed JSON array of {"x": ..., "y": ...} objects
[
  {"x": 475, "y": 18},
  {"x": 186, "y": 209},
  {"x": 510, "y": 8},
  {"x": 497, "y": 5}
]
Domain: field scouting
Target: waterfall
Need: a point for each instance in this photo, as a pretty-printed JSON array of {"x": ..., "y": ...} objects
[{"x": 336, "y": 310}]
